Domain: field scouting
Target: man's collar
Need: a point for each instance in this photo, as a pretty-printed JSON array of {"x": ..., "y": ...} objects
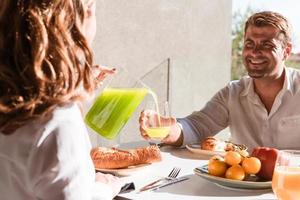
[
  {"x": 287, "y": 84},
  {"x": 249, "y": 87}
]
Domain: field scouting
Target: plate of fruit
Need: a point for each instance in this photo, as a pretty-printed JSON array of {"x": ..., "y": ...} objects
[{"x": 236, "y": 171}]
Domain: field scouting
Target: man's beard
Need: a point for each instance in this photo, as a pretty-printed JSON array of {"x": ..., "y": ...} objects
[
  {"x": 256, "y": 70},
  {"x": 256, "y": 73}
]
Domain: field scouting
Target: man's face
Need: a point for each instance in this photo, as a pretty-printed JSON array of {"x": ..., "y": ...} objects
[{"x": 264, "y": 53}]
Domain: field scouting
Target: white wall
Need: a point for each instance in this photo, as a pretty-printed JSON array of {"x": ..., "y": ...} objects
[{"x": 194, "y": 34}]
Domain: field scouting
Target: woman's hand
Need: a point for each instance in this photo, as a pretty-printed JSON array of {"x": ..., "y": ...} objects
[
  {"x": 114, "y": 182},
  {"x": 104, "y": 71}
]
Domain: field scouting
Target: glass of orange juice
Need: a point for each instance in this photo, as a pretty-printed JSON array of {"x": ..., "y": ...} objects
[
  {"x": 157, "y": 128},
  {"x": 286, "y": 177}
]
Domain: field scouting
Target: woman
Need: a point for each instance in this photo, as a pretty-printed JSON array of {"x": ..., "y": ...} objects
[{"x": 45, "y": 71}]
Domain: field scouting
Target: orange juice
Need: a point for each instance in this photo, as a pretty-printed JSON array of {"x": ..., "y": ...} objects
[
  {"x": 158, "y": 132},
  {"x": 286, "y": 183}
]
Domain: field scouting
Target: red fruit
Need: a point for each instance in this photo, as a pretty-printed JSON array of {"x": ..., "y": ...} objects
[{"x": 267, "y": 157}]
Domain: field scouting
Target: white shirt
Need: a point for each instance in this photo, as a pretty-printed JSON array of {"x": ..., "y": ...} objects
[
  {"x": 50, "y": 160},
  {"x": 240, "y": 108}
]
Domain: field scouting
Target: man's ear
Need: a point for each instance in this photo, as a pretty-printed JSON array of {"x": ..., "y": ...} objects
[{"x": 287, "y": 50}]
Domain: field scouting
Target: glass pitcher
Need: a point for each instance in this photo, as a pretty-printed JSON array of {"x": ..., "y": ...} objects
[{"x": 115, "y": 104}]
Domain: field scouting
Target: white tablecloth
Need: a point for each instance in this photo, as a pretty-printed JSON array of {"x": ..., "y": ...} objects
[{"x": 194, "y": 188}]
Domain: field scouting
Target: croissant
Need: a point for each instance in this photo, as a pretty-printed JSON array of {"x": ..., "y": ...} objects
[{"x": 212, "y": 144}]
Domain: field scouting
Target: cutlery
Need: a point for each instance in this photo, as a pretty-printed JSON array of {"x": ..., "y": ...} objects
[
  {"x": 173, "y": 174},
  {"x": 164, "y": 184},
  {"x": 169, "y": 182}
]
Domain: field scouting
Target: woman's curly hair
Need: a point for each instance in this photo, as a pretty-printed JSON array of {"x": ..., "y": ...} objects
[{"x": 44, "y": 58}]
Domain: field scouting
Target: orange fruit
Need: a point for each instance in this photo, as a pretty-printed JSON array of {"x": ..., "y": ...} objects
[
  {"x": 232, "y": 158},
  {"x": 251, "y": 165},
  {"x": 216, "y": 166},
  {"x": 235, "y": 172}
]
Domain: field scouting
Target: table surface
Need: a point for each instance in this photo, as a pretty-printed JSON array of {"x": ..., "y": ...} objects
[{"x": 193, "y": 188}]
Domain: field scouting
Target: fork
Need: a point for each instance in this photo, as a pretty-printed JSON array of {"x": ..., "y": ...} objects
[{"x": 173, "y": 174}]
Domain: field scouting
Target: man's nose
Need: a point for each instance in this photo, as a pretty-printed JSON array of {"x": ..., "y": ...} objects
[{"x": 256, "y": 50}]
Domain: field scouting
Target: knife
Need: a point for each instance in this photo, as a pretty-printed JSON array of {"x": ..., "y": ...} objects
[{"x": 164, "y": 184}]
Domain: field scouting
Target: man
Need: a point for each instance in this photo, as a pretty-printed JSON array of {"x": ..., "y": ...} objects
[{"x": 261, "y": 109}]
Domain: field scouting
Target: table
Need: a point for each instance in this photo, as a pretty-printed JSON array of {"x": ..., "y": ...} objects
[{"x": 194, "y": 188}]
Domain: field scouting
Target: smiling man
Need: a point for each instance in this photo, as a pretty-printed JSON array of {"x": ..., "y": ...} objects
[
  {"x": 267, "y": 45},
  {"x": 261, "y": 109}
]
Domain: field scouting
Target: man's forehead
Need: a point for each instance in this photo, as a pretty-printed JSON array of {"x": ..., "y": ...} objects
[{"x": 264, "y": 32}]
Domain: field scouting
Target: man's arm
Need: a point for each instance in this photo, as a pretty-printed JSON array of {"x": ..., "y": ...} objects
[{"x": 210, "y": 120}]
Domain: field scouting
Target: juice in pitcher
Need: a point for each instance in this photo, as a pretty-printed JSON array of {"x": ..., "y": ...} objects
[{"x": 112, "y": 109}]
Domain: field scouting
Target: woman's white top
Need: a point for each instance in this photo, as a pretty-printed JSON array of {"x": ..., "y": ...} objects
[{"x": 50, "y": 160}]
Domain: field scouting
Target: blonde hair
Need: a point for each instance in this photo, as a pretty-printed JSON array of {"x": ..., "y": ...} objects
[
  {"x": 44, "y": 58},
  {"x": 269, "y": 18}
]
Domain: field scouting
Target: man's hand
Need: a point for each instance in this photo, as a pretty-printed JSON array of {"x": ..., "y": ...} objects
[{"x": 173, "y": 138}]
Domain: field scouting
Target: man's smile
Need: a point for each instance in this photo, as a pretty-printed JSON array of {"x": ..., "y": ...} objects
[{"x": 256, "y": 62}]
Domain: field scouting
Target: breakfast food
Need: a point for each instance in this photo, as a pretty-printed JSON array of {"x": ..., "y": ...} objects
[
  {"x": 233, "y": 158},
  {"x": 213, "y": 144},
  {"x": 239, "y": 165},
  {"x": 235, "y": 172},
  {"x": 233, "y": 166},
  {"x": 113, "y": 158},
  {"x": 267, "y": 157},
  {"x": 217, "y": 166},
  {"x": 251, "y": 165}
]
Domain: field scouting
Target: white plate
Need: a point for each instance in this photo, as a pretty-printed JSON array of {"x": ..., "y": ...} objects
[
  {"x": 195, "y": 148},
  {"x": 252, "y": 184},
  {"x": 124, "y": 171}
]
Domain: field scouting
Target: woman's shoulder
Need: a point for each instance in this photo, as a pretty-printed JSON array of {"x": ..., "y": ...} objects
[
  {"x": 64, "y": 125},
  {"x": 65, "y": 120},
  {"x": 67, "y": 112},
  {"x": 65, "y": 130}
]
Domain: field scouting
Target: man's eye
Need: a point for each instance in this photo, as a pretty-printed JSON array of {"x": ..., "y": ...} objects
[
  {"x": 248, "y": 45},
  {"x": 268, "y": 46}
]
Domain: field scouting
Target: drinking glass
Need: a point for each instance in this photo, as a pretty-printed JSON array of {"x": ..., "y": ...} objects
[
  {"x": 286, "y": 177},
  {"x": 157, "y": 127}
]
